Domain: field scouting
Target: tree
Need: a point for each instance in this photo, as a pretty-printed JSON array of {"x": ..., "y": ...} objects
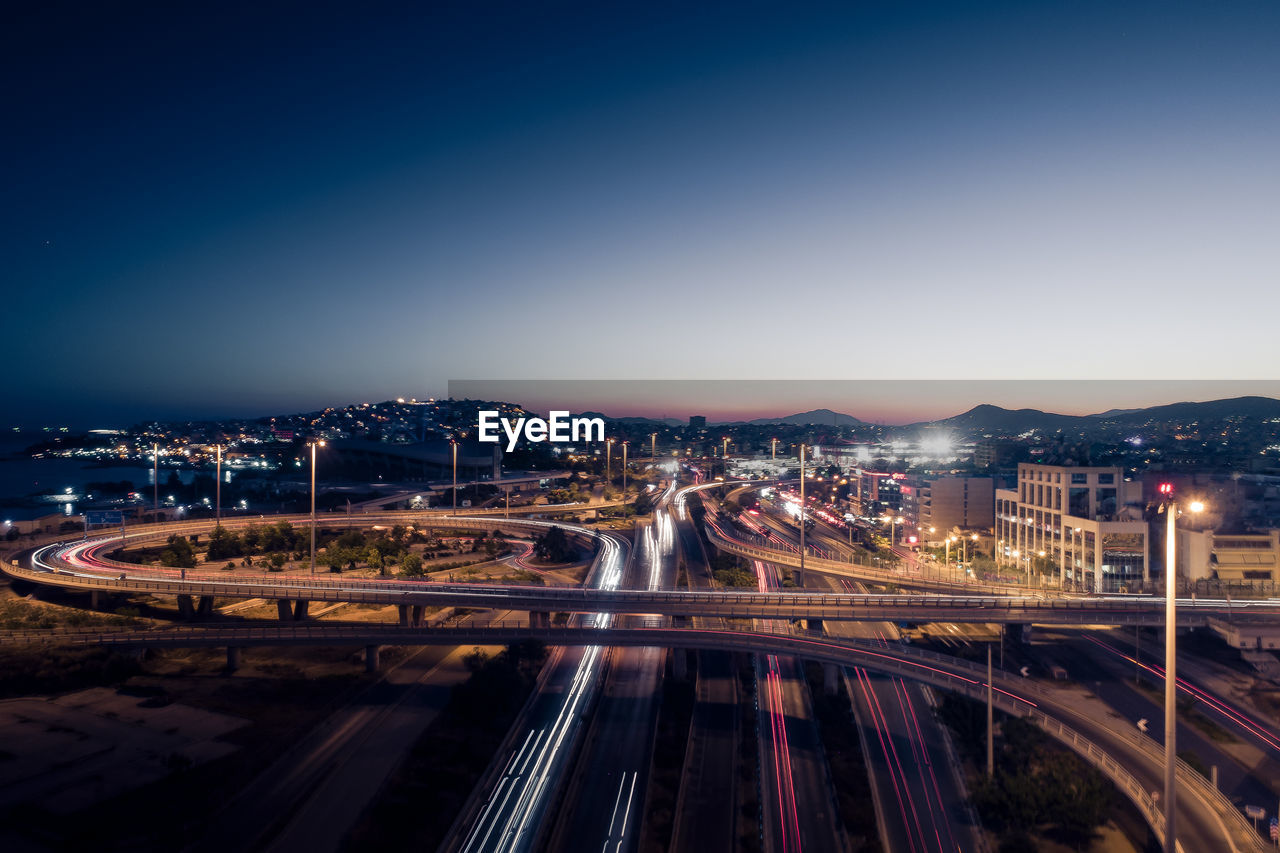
[
  {"x": 179, "y": 554},
  {"x": 411, "y": 566},
  {"x": 375, "y": 560},
  {"x": 554, "y": 547},
  {"x": 277, "y": 559},
  {"x": 223, "y": 544}
]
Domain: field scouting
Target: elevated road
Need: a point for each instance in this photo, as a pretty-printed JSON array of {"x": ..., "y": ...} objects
[
  {"x": 1133, "y": 762},
  {"x": 73, "y": 567}
]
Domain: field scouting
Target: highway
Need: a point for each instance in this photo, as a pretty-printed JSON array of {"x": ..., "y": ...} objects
[
  {"x": 514, "y": 808},
  {"x": 605, "y": 803},
  {"x": 81, "y": 566},
  {"x": 1132, "y": 775},
  {"x": 1134, "y": 762},
  {"x": 706, "y": 818},
  {"x": 798, "y": 804},
  {"x": 921, "y": 798}
]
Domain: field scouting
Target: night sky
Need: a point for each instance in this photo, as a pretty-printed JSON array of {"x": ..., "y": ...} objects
[{"x": 214, "y": 209}]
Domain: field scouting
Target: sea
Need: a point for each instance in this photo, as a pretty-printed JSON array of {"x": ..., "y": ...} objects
[{"x": 30, "y": 488}]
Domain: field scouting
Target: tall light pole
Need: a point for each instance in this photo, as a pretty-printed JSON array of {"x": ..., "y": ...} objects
[
  {"x": 1169, "y": 507},
  {"x": 724, "y": 454},
  {"x": 455, "y": 475},
  {"x": 624, "y": 471},
  {"x": 773, "y": 450},
  {"x": 608, "y": 463},
  {"x": 155, "y": 477},
  {"x": 313, "y": 445},
  {"x": 802, "y": 508},
  {"x": 653, "y": 448},
  {"x": 217, "y": 500}
]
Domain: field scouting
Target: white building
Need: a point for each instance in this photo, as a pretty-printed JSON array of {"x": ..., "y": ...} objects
[{"x": 1083, "y": 524}]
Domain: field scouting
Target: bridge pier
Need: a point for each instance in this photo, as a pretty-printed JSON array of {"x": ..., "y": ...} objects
[
  {"x": 539, "y": 619},
  {"x": 284, "y": 609},
  {"x": 233, "y": 658},
  {"x": 300, "y": 609},
  {"x": 815, "y": 625},
  {"x": 95, "y": 600},
  {"x": 372, "y": 659},
  {"x": 403, "y": 611},
  {"x": 205, "y": 609},
  {"x": 798, "y": 576},
  {"x": 186, "y": 607},
  {"x": 830, "y": 679},
  {"x": 417, "y": 619},
  {"x": 680, "y": 664}
]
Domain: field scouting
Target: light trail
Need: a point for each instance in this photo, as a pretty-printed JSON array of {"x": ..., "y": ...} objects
[
  {"x": 504, "y": 825},
  {"x": 1234, "y": 716}
]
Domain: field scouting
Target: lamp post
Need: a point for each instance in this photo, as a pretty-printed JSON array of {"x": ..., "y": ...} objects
[
  {"x": 217, "y": 500},
  {"x": 947, "y": 562},
  {"x": 155, "y": 478},
  {"x": 1169, "y": 506},
  {"x": 455, "y": 475},
  {"x": 653, "y": 448},
  {"x": 773, "y": 450},
  {"x": 624, "y": 470},
  {"x": 313, "y": 445},
  {"x": 802, "y": 512},
  {"x": 608, "y": 462}
]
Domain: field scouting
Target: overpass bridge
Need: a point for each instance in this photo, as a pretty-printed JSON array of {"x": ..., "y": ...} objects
[
  {"x": 1134, "y": 763},
  {"x": 81, "y": 566}
]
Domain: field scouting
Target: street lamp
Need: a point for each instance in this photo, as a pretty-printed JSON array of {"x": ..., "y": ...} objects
[
  {"x": 773, "y": 450},
  {"x": 217, "y": 501},
  {"x": 624, "y": 470},
  {"x": 800, "y": 580},
  {"x": 893, "y": 522},
  {"x": 155, "y": 477},
  {"x": 1169, "y": 506},
  {"x": 608, "y": 462},
  {"x": 653, "y": 448},
  {"x": 455, "y": 475},
  {"x": 947, "y": 561},
  {"x": 313, "y": 445}
]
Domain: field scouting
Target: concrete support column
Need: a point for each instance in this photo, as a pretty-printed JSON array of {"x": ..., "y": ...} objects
[
  {"x": 283, "y": 609},
  {"x": 539, "y": 619},
  {"x": 371, "y": 658},
  {"x": 186, "y": 607},
  {"x": 300, "y": 609},
  {"x": 205, "y": 609},
  {"x": 233, "y": 658},
  {"x": 680, "y": 664},
  {"x": 95, "y": 600},
  {"x": 403, "y": 611},
  {"x": 417, "y": 617},
  {"x": 830, "y": 679},
  {"x": 797, "y": 575},
  {"x": 815, "y": 625}
]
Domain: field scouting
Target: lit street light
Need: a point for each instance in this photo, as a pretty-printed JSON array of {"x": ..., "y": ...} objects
[
  {"x": 1169, "y": 507},
  {"x": 218, "y": 489},
  {"x": 608, "y": 463},
  {"x": 624, "y": 470},
  {"x": 313, "y": 445},
  {"x": 455, "y": 475}
]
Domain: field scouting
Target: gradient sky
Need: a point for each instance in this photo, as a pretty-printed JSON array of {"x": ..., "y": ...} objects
[{"x": 228, "y": 209}]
